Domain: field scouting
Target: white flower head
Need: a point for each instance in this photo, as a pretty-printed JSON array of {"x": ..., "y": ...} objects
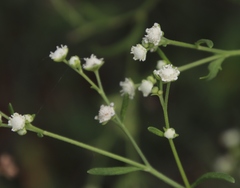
[
  {"x": 154, "y": 35},
  {"x": 170, "y": 133},
  {"x": 17, "y": 122},
  {"x": 105, "y": 113},
  {"x": 139, "y": 52},
  {"x": 160, "y": 64},
  {"x": 127, "y": 88},
  {"x": 146, "y": 87},
  {"x": 225, "y": 163},
  {"x": 74, "y": 62},
  {"x": 60, "y": 53},
  {"x": 231, "y": 138},
  {"x": 167, "y": 73},
  {"x": 93, "y": 63}
]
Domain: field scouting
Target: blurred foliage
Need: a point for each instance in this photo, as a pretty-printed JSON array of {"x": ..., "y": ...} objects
[{"x": 63, "y": 102}]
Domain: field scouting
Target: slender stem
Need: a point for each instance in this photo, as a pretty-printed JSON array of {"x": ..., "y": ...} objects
[
  {"x": 165, "y": 112},
  {"x": 4, "y": 115},
  {"x": 101, "y": 90},
  {"x": 146, "y": 168},
  {"x": 108, "y": 154},
  {"x": 193, "y": 46},
  {"x": 175, "y": 154},
  {"x": 163, "y": 56},
  {"x": 167, "y": 95},
  {"x": 139, "y": 151},
  {"x": 199, "y": 62},
  {"x": 165, "y": 178},
  {"x": 179, "y": 164}
]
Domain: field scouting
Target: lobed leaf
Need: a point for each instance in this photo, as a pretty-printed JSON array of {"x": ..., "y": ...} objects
[
  {"x": 156, "y": 131},
  {"x": 214, "y": 68},
  {"x": 112, "y": 171},
  {"x": 213, "y": 175},
  {"x": 208, "y": 42}
]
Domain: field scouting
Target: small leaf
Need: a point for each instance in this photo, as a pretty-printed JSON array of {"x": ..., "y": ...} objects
[
  {"x": 213, "y": 68},
  {"x": 40, "y": 135},
  {"x": 156, "y": 131},
  {"x": 213, "y": 175},
  {"x": 10, "y": 108},
  {"x": 208, "y": 42},
  {"x": 124, "y": 107},
  {"x": 112, "y": 171}
]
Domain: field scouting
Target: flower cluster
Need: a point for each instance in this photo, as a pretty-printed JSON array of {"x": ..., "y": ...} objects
[
  {"x": 170, "y": 133},
  {"x": 105, "y": 113},
  {"x": 60, "y": 54},
  {"x": 154, "y": 35},
  {"x": 150, "y": 41},
  {"x": 17, "y": 122},
  {"x": 167, "y": 73},
  {"x": 128, "y": 88},
  {"x": 139, "y": 52},
  {"x": 146, "y": 87},
  {"x": 93, "y": 63}
]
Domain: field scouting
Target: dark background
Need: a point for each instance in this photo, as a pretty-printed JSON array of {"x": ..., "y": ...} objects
[{"x": 199, "y": 110}]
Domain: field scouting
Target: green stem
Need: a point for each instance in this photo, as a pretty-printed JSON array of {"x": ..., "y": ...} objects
[
  {"x": 193, "y": 46},
  {"x": 179, "y": 164},
  {"x": 108, "y": 154},
  {"x": 167, "y": 95},
  {"x": 175, "y": 154},
  {"x": 163, "y": 56},
  {"x": 4, "y": 115},
  {"x": 139, "y": 151},
  {"x": 199, "y": 62},
  {"x": 101, "y": 90}
]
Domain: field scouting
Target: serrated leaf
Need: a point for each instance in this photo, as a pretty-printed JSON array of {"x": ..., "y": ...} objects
[
  {"x": 111, "y": 171},
  {"x": 124, "y": 107},
  {"x": 208, "y": 42},
  {"x": 156, "y": 131},
  {"x": 214, "y": 68},
  {"x": 213, "y": 175}
]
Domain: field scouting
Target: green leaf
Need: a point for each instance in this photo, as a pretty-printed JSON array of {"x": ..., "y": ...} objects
[
  {"x": 156, "y": 131},
  {"x": 208, "y": 42},
  {"x": 112, "y": 171},
  {"x": 10, "y": 108},
  {"x": 213, "y": 68},
  {"x": 213, "y": 175},
  {"x": 124, "y": 107}
]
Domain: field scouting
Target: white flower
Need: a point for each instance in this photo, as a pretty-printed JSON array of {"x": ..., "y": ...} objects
[
  {"x": 128, "y": 88},
  {"x": 60, "y": 53},
  {"x": 168, "y": 73},
  {"x": 93, "y": 63},
  {"x": 160, "y": 64},
  {"x": 146, "y": 87},
  {"x": 139, "y": 52},
  {"x": 17, "y": 122},
  {"x": 225, "y": 163},
  {"x": 105, "y": 113},
  {"x": 231, "y": 138},
  {"x": 170, "y": 133},
  {"x": 74, "y": 62},
  {"x": 154, "y": 34}
]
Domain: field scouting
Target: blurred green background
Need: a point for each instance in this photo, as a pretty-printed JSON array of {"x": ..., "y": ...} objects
[{"x": 63, "y": 102}]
